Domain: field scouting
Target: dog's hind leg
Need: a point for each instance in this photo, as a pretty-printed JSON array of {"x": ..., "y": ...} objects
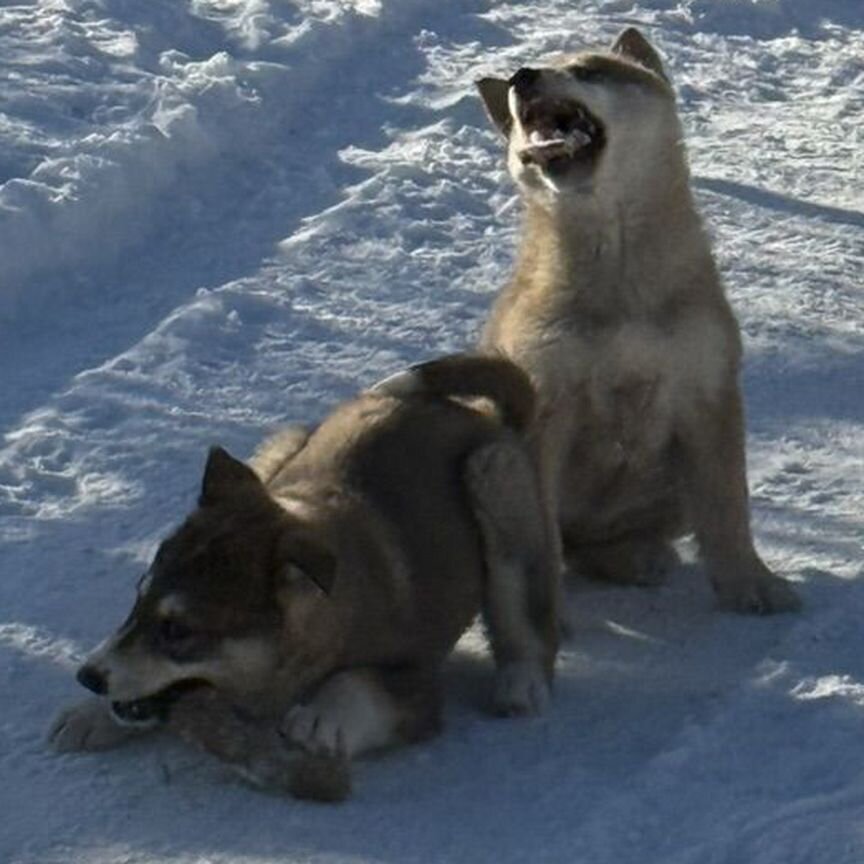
[
  {"x": 520, "y": 597},
  {"x": 368, "y": 708}
]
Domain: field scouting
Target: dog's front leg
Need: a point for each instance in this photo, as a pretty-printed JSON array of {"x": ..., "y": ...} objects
[
  {"x": 715, "y": 481},
  {"x": 89, "y": 725},
  {"x": 359, "y": 710}
]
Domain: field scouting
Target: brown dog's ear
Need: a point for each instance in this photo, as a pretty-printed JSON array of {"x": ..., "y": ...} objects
[
  {"x": 493, "y": 92},
  {"x": 304, "y": 555},
  {"x": 633, "y": 45},
  {"x": 225, "y": 477}
]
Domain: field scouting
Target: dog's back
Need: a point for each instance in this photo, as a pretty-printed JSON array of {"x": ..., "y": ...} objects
[{"x": 394, "y": 459}]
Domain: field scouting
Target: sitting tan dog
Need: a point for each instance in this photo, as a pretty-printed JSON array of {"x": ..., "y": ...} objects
[
  {"x": 320, "y": 590},
  {"x": 617, "y": 313}
]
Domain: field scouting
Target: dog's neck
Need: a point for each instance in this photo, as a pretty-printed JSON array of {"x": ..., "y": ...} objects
[{"x": 614, "y": 258}]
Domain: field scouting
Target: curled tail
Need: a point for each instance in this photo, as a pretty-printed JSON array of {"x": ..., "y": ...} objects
[{"x": 469, "y": 375}]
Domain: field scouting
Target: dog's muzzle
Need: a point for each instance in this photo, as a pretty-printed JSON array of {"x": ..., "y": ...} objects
[
  {"x": 558, "y": 131},
  {"x": 151, "y": 710},
  {"x": 91, "y": 678}
]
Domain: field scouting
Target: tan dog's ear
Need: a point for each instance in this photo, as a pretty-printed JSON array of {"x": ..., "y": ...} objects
[
  {"x": 494, "y": 93},
  {"x": 633, "y": 45},
  {"x": 303, "y": 555},
  {"x": 225, "y": 477}
]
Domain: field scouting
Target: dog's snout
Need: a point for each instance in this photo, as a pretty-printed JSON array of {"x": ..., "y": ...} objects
[
  {"x": 525, "y": 80},
  {"x": 92, "y": 679}
]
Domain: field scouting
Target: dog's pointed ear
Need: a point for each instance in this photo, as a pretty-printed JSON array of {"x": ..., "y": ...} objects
[
  {"x": 302, "y": 555},
  {"x": 224, "y": 477},
  {"x": 633, "y": 45},
  {"x": 494, "y": 92}
]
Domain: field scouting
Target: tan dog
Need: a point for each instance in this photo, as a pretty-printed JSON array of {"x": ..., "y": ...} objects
[
  {"x": 321, "y": 589},
  {"x": 617, "y": 313}
]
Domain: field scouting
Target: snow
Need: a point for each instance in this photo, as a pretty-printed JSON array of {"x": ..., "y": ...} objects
[{"x": 217, "y": 215}]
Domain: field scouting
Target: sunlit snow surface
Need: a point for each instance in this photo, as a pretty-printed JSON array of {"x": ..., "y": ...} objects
[{"x": 217, "y": 215}]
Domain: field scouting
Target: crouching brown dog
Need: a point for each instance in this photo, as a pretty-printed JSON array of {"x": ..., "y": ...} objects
[
  {"x": 617, "y": 313},
  {"x": 318, "y": 591}
]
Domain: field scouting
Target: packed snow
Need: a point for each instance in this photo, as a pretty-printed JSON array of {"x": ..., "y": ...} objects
[{"x": 220, "y": 215}]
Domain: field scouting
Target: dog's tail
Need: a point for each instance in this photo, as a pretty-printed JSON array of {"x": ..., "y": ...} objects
[{"x": 467, "y": 376}]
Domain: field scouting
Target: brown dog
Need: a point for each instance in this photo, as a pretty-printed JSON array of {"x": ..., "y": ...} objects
[
  {"x": 321, "y": 589},
  {"x": 617, "y": 313}
]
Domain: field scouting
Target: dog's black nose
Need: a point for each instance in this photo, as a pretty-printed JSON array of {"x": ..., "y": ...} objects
[
  {"x": 524, "y": 80},
  {"x": 93, "y": 680}
]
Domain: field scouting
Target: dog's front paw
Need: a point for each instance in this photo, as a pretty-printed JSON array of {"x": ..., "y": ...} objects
[
  {"x": 761, "y": 593},
  {"x": 87, "y": 726},
  {"x": 318, "y": 730},
  {"x": 349, "y": 715},
  {"x": 521, "y": 688}
]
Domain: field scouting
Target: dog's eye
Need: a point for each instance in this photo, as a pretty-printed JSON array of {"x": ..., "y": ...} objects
[
  {"x": 586, "y": 73},
  {"x": 173, "y": 631}
]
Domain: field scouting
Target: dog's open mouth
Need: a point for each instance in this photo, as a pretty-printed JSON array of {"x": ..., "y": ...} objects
[
  {"x": 560, "y": 133},
  {"x": 150, "y": 710}
]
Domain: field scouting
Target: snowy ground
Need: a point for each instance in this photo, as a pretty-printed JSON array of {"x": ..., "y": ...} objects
[{"x": 220, "y": 214}]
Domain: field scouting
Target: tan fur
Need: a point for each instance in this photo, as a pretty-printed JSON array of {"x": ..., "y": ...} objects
[
  {"x": 277, "y": 450},
  {"x": 328, "y": 582},
  {"x": 617, "y": 313}
]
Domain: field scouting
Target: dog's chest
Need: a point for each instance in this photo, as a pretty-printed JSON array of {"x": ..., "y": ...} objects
[
  {"x": 624, "y": 387},
  {"x": 627, "y": 383}
]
